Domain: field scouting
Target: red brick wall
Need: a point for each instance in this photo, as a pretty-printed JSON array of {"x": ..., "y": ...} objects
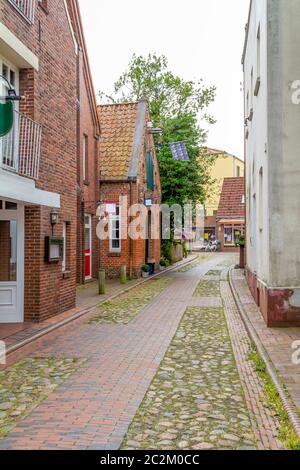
[
  {"x": 88, "y": 190},
  {"x": 110, "y": 192},
  {"x": 51, "y": 101}
]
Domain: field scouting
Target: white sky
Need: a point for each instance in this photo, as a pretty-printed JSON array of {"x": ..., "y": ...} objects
[{"x": 201, "y": 39}]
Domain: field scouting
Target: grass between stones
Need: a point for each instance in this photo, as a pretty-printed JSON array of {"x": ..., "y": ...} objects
[
  {"x": 26, "y": 384},
  {"x": 195, "y": 400},
  {"x": 208, "y": 289},
  {"x": 214, "y": 272},
  {"x": 273, "y": 402},
  {"x": 201, "y": 259},
  {"x": 126, "y": 307}
]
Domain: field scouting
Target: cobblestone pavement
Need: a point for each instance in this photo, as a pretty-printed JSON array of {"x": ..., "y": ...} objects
[
  {"x": 206, "y": 394},
  {"x": 24, "y": 385},
  {"x": 128, "y": 305},
  {"x": 176, "y": 355}
]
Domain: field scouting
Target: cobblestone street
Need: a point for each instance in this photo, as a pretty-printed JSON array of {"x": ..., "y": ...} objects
[{"x": 164, "y": 366}]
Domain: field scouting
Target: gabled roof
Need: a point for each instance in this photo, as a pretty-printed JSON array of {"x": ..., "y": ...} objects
[
  {"x": 122, "y": 131},
  {"x": 232, "y": 202}
]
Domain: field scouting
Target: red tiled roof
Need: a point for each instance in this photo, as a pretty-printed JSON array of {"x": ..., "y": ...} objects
[
  {"x": 118, "y": 125},
  {"x": 232, "y": 202}
]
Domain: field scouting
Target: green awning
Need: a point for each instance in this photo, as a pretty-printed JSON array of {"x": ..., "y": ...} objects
[{"x": 6, "y": 117}]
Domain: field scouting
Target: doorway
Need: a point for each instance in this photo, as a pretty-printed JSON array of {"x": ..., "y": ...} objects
[
  {"x": 88, "y": 246},
  {"x": 11, "y": 262}
]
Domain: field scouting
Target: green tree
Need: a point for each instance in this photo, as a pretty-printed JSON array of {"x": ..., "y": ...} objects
[{"x": 175, "y": 106}]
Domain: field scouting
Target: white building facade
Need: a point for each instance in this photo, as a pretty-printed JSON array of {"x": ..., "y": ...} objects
[{"x": 271, "y": 63}]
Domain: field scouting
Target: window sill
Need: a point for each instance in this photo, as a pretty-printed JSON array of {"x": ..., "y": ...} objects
[
  {"x": 114, "y": 255},
  {"x": 86, "y": 182}
]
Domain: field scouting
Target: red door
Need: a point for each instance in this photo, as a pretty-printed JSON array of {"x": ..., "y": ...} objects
[{"x": 88, "y": 246}]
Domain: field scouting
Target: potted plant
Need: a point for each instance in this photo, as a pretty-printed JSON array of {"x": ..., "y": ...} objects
[
  {"x": 162, "y": 264},
  {"x": 145, "y": 270},
  {"x": 241, "y": 243}
]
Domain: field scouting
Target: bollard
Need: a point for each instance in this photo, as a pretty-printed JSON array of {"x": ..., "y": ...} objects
[
  {"x": 123, "y": 274},
  {"x": 101, "y": 282}
]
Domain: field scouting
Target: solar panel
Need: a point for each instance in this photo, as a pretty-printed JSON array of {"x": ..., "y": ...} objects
[{"x": 179, "y": 151}]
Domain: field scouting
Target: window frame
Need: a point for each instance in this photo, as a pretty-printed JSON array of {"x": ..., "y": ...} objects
[{"x": 112, "y": 219}]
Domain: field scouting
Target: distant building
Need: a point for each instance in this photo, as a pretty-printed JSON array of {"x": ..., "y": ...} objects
[
  {"x": 128, "y": 168},
  {"x": 225, "y": 166},
  {"x": 230, "y": 218},
  {"x": 271, "y": 64}
]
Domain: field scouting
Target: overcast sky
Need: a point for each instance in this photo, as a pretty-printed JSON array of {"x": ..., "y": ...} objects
[{"x": 201, "y": 38}]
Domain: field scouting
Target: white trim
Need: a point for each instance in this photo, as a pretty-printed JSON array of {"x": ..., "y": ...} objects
[
  {"x": 16, "y": 51},
  {"x": 71, "y": 27},
  {"x": 113, "y": 218},
  {"x": 17, "y": 288},
  {"x": 22, "y": 189},
  {"x": 64, "y": 260}
]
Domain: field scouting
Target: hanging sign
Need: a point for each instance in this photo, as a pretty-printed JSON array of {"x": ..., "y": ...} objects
[
  {"x": 179, "y": 151},
  {"x": 6, "y": 117}
]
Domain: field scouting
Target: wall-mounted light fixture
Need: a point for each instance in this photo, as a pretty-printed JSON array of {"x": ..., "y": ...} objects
[{"x": 54, "y": 217}]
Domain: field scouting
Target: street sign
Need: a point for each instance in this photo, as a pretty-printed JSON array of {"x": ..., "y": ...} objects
[{"x": 6, "y": 117}]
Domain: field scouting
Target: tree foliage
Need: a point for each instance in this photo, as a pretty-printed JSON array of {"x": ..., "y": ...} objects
[{"x": 176, "y": 106}]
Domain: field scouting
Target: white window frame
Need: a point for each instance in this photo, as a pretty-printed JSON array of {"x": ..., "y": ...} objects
[
  {"x": 84, "y": 157},
  {"x": 64, "y": 260},
  {"x": 233, "y": 228},
  {"x": 112, "y": 219}
]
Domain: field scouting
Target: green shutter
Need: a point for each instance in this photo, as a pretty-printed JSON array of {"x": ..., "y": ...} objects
[
  {"x": 150, "y": 171},
  {"x": 6, "y": 118}
]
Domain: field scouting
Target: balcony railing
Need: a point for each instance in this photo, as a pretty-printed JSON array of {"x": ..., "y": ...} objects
[
  {"x": 20, "y": 149},
  {"x": 25, "y": 7}
]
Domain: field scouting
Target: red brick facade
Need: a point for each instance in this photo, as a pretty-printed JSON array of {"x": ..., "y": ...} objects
[
  {"x": 132, "y": 253},
  {"x": 52, "y": 101}
]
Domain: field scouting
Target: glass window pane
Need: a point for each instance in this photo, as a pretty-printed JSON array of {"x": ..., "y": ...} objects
[
  {"x": 8, "y": 250},
  {"x": 87, "y": 239},
  {"x": 228, "y": 236}
]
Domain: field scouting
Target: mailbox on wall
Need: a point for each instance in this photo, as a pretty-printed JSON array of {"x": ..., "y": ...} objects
[{"x": 54, "y": 249}]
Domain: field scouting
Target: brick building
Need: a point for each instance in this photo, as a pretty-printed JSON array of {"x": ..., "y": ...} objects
[
  {"x": 42, "y": 55},
  {"x": 128, "y": 168},
  {"x": 88, "y": 135},
  {"x": 230, "y": 217}
]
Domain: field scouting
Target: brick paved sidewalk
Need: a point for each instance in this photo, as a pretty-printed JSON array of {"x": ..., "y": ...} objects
[
  {"x": 94, "y": 407},
  {"x": 277, "y": 341}
]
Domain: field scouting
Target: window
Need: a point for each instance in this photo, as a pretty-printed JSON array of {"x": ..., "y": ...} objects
[
  {"x": 232, "y": 234},
  {"x": 64, "y": 261},
  {"x": 150, "y": 171},
  {"x": 261, "y": 199},
  {"x": 258, "y": 52},
  {"x": 238, "y": 171},
  {"x": 115, "y": 231},
  {"x": 85, "y": 173},
  {"x": 25, "y": 8}
]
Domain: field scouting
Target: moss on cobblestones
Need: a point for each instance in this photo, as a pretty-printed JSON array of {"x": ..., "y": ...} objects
[
  {"x": 26, "y": 384},
  {"x": 196, "y": 399},
  {"x": 272, "y": 401},
  {"x": 201, "y": 259},
  {"x": 208, "y": 289},
  {"x": 214, "y": 272},
  {"x": 126, "y": 307}
]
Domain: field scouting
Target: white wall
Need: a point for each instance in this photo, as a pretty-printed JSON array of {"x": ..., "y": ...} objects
[{"x": 256, "y": 146}]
